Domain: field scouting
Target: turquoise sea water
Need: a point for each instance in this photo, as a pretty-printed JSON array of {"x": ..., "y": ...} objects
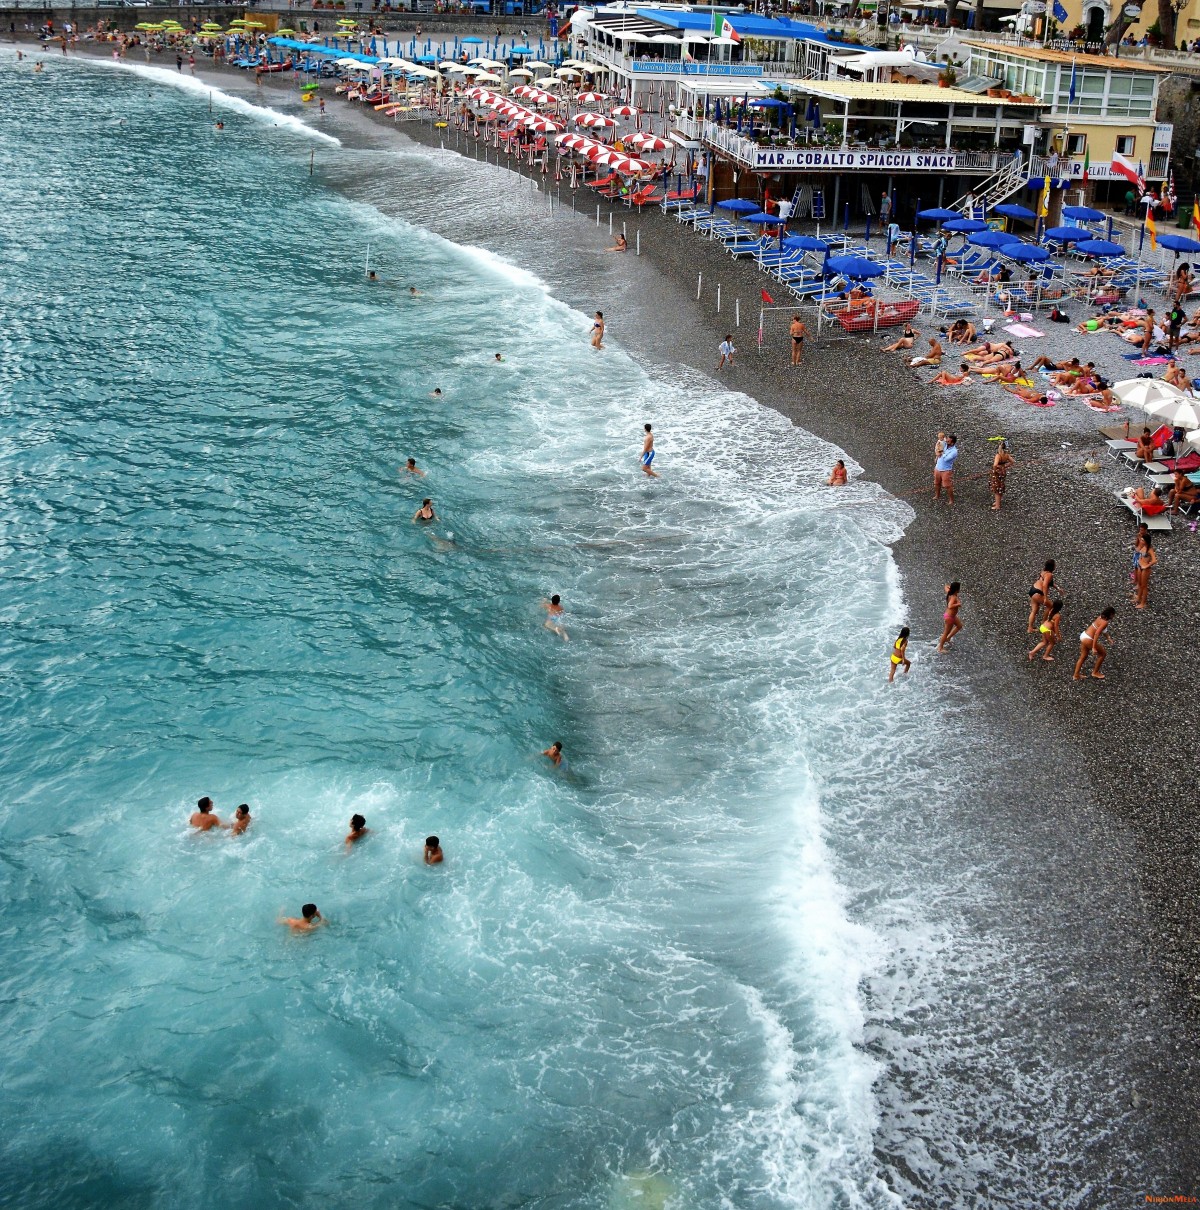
[{"x": 632, "y": 983}]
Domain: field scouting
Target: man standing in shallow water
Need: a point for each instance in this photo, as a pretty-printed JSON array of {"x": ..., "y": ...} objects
[
  {"x": 648, "y": 453},
  {"x": 203, "y": 817}
]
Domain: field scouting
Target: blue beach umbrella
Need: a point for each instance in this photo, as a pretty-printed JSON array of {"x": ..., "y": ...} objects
[
  {"x": 1099, "y": 247},
  {"x": 521, "y": 50},
  {"x": 1012, "y": 210},
  {"x": 806, "y": 243},
  {"x": 761, "y": 217},
  {"x": 472, "y": 41},
  {"x": 1178, "y": 243},
  {"x": 739, "y": 205},
  {"x": 1085, "y": 213},
  {"x": 852, "y": 266},
  {"x": 1067, "y": 235},
  {"x": 767, "y": 103},
  {"x": 1028, "y": 253},
  {"x": 965, "y": 226},
  {"x": 938, "y": 213},
  {"x": 993, "y": 239}
]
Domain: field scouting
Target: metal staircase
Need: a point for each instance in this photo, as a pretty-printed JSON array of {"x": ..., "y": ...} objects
[{"x": 1011, "y": 176}]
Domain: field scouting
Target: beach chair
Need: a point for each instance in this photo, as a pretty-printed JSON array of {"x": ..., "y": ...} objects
[
  {"x": 755, "y": 247},
  {"x": 1154, "y": 521},
  {"x": 644, "y": 197}
]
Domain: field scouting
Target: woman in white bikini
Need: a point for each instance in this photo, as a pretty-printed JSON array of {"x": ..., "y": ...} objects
[{"x": 1089, "y": 644}]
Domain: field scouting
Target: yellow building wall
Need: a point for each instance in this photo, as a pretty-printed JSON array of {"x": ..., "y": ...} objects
[
  {"x": 1187, "y": 24},
  {"x": 1102, "y": 140}
]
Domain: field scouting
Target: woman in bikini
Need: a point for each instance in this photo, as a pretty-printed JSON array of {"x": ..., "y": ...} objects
[
  {"x": 904, "y": 341},
  {"x": 898, "y": 656},
  {"x": 1039, "y": 595},
  {"x": 998, "y": 480},
  {"x": 1089, "y": 644},
  {"x": 799, "y": 332},
  {"x": 1146, "y": 560},
  {"x": 425, "y": 513},
  {"x": 950, "y": 617},
  {"x": 1050, "y": 632},
  {"x": 946, "y": 379}
]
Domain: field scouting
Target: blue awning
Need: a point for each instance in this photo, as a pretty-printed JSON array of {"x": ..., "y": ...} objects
[{"x": 333, "y": 52}]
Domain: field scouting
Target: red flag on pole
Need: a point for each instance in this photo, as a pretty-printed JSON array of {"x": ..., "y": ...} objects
[{"x": 766, "y": 297}]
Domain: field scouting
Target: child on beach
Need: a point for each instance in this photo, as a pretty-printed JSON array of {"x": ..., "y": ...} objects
[
  {"x": 1089, "y": 644},
  {"x": 1050, "y": 633},
  {"x": 950, "y": 617},
  {"x": 898, "y": 656},
  {"x": 727, "y": 351}
]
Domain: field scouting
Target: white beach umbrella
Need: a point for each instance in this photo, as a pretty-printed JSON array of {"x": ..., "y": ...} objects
[
  {"x": 492, "y": 63},
  {"x": 521, "y": 71},
  {"x": 540, "y": 64},
  {"x": 1144, "y": 392},
  {"x": 486, "y": 78},
  {"x": 1182, "y": 413},
  {"x": 567, "y": 73},
  {"x": 549, "y": 82}
]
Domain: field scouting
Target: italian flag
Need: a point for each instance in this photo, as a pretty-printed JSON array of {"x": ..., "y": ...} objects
[
  {"x": 723, "y": 29},
  {"x": 1087, "y": 163}
]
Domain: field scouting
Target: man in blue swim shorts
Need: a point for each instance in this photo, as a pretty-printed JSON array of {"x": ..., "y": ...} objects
[{"x": 648, "y": 453}]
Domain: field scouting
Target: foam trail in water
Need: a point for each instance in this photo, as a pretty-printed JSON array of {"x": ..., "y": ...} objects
[{"x": 263, "y": 113}]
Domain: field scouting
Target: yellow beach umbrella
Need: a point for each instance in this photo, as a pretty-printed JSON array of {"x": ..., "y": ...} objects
[
  {"x": 284, "y": 32},
  {"x": 349, "y": 21}
]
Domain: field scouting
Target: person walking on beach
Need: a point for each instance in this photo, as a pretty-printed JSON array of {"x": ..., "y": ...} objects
[
  {"x": 950, "y": 617},
  {"x": 648, "y": 453},
  {"x": 1089, "y": 644},
  {"x": 943, "y": 470},
  {"x": 554, "y": 611},
  {"x": 1147, "y": 331},
  {"x": 726, "y": 351},
  {"x": 1050, "y": 631},
  {"x": 598, "y": 331},
  {"x": 1039, "y": 594},
  {"x": 898, "y": 656},
  {"x": 799, "y": 332},
  {"x": 1147, "y": 557},
  {"x": 999, "y": 476}
]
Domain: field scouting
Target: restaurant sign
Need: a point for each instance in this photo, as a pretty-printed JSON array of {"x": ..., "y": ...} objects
[{"x": 820, "y": 160}]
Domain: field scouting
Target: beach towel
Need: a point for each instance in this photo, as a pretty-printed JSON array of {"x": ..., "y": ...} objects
[
  {"x": 1037, "y": 403},
  {"x": 1093, "y": 401},
  {"x": 1022, "y": 330},
  {"x": 1139, "y": 360}
]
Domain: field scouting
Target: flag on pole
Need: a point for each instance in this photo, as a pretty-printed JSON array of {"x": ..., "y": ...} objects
[
  {"x": 1123, "y": 167},
  {"x": 766, "y": 297},
  {"x": 1196, "y": 216},
  {"x": 1151, "y": 229},
  {"x": 1060, "y": 13},
  {"x": 723, "y": 29},
  {"x": 1071, "y": 90},
  {"x": 1087, "y": 164},
  {"x": 1044, "y": 209}
]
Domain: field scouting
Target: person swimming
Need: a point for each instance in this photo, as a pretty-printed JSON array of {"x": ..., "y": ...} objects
[
  {"x": 372, "y": 275},
  {"x": 203, "y": 817},
  {"x": 554, "y": 753},
  {"x": 413, "y": 292},
  {"x": 433, "y": 851},
  {"x": 241, "y": 819},
  {"x": 425, "y": 513},
  {"x": 308, "y": 920},
  {"x": 358, "y": 829},
  {"x": 498, "y": 357},
  {"x": 436, "y": 393},
  {"x": 554, "y": 611},
  {"x": 410, "y": 468}
]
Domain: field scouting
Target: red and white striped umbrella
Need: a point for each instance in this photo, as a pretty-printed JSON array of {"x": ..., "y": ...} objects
[
  {"x": 573, "y": 141},
  {"x": 523, "y": 90},
  {"x": 542, "y": 125},
  {"x": 624, "y": 111},
  {"x": 539, "y": 96},
  {"x": 593, "y": 121},
  {"x": 647, "y": 142},
  {"x": 591, "y": 98}
]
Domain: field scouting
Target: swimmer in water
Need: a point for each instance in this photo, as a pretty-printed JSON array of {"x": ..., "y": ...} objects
[
  {"x": 309, "y": 919},
  {"x": 203, "y": 817},
  {"x": 554, "y": 753},
  {"x": 498, "y": 357},
  {"x": 372, "y": 275},
  {"x": 413, "y": 292},
  {"x": 598, "y": 331},
  {"x": 411, "y": 468},
  {"x": 554, "y": 610},
  {"x": 436, "y": 393},
  {"x": 648, "y": 453},
  {"x": 898, "y": 657},
  {"x": 433, "y": 851},
  {"x": 241, "y": 819},
  {"x": 220, "y": 125},
  {"x": 425, "y": 513},
  {"x": 358, "y": 829}
]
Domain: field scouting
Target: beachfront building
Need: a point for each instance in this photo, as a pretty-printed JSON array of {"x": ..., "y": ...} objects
[
  {"x": 1090, "y": 20},
  {"x": 1093, "y": 106}
]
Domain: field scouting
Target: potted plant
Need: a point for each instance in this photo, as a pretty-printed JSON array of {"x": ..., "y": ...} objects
[{"x": 947, "y": 76}]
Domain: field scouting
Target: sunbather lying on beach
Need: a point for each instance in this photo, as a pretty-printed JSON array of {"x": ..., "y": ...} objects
[
  {"x": 1064, "y": 378},
  {"x": 1028, "y": 394},
  {"x": 947, "y": 379},
  {"x": 1099, "y": 323},
  {"x": 1047, "y": 364},
  {"x": 986, "y": 352}
]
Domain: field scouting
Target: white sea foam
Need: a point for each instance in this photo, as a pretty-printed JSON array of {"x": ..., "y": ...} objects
[{"x": 190, "y": 84}]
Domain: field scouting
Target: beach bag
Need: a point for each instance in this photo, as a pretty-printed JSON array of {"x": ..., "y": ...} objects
[{"x": 1059, "y": 317}]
